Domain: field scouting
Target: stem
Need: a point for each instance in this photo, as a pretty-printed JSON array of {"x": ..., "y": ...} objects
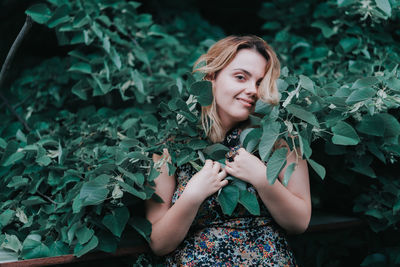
[
  {"x": 46, "y": 197},
  {"x": 295, "y": 149},
  {"x": 7, "y": 63}
]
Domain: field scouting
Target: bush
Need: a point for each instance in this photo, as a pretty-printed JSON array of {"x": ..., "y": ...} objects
[{"x": 76, "y": 180}]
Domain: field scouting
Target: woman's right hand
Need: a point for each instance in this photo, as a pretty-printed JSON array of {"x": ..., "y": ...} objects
[{"x": 206, "y": 182}]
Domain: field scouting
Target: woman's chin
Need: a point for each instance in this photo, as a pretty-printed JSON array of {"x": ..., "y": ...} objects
[{"x": 242, "y": 117}]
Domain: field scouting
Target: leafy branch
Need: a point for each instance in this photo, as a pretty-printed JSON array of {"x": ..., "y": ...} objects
[{"x": 7, "y": 64}]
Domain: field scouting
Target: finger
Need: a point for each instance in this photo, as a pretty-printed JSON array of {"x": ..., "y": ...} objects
[
  {"x": 216, "y": 166},
  {"x": 228, "y": 163},
  {"x": 229, "y": 170},
  {"x": 222, "y": 174},
  {"x": 224, "y": 182},
  {"x": 208, "y": 163}
]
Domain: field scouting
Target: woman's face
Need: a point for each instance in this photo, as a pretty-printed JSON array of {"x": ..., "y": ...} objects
[{"x": 236, "y": 87}]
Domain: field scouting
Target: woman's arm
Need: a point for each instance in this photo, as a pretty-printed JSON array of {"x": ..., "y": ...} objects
[
  {"x": 290, "y": 206},
  {"x": 170, "y": 223}
]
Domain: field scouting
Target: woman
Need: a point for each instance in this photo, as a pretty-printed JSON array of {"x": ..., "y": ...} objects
[{"x": 190, "y": 226}]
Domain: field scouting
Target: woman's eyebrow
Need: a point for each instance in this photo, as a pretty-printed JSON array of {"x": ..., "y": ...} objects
[
  {"x": 245, "y": 71},
  {"x": 248, "y": 73}
]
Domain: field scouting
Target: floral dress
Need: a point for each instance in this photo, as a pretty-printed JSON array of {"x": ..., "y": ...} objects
[{"x": 240, "y": 239}]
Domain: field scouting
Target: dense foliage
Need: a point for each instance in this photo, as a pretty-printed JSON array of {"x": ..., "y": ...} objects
[{"x": 77, "y": 179}]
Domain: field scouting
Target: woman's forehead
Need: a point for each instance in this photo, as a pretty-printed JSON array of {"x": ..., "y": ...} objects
[{"x": 248, "y": 60}]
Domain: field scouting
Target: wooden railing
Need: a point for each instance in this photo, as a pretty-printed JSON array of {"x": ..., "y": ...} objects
[{"x": 319, "y": 223}]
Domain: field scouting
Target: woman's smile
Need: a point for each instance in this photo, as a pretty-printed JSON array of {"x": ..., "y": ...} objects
[{"x": 248, "y": 103}]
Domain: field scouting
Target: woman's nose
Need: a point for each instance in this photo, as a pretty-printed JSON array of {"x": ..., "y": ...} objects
[{"x": 251, "y": 89}]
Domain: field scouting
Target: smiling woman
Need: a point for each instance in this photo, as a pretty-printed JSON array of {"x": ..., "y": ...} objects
[
  {"x": 246, "y": 66},
  {"x": 189, "y": 226}
]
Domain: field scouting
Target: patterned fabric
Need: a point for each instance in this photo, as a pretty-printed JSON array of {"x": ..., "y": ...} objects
[{"x": 241, "y": 239}]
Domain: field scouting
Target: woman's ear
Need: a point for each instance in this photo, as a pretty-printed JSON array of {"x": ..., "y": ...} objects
[{"x": 210, "y": 77}]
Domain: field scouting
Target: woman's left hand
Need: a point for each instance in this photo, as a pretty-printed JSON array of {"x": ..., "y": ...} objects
[{"x": 246, "y": 167}]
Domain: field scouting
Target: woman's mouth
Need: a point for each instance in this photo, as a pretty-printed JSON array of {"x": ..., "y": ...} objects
[{"x": 248, "y": 103}]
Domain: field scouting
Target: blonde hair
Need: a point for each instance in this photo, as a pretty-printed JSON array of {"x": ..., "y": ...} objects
[{"x": 218, "y": 57}]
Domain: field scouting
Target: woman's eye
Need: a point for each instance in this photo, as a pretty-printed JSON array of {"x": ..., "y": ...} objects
[{"x": 240, "y": 77}]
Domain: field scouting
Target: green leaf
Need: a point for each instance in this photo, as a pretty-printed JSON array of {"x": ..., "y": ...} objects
[
  {"x": 196, "y": 144},
  {"x": 263, "y": 108},
  {"x": 288, "y": 173},
  {"x": 142, "y": 226},
  {"x": 81, "y": 19},
  {"x": 216, "y": 151},
  {"x": 11, "y": 242},
  {"x": 107, "y": 241},
  {"x": 115, "y": 57},
  {"x": 275, "y": 164},
  {"x": 116, "y": 220},
  {"x": 396, "y": 207},
  {"x": 92, "y": 244},
  {"x": 43, "y": 160},
  {"x": 8, "y": 256},
  {"x": 362, "y": 165},
  {"x": 394, "y": 84},
  {"x": 34, "y": 248},
  {"x": 77, "y": 205},
  {"x": 13, "y": 158},
  {"x": 137, "y": 78},
  {"x": 58, "y": 248},
  {"x": 140, "y": 53},
  {"x": 349, "y": 44},
  {"x": 304, "y": 144},
  {"x": 94, "y": 192},
  {"x": 84, "y": 234},
  {"x": 385, "y": 6},
  {"x": 131, "y": 122},
  {"x": 392, "y": 125},
  {"x": 373, "y": 148},
  {"x": 374, "y": 213},
  {"x": 365, "y": 82},
  {"x": 307, "y": 84},
  {"x": 79, "y": 90},
  {"x": 39, "y": 13},
  {"x": 326, "y": 30},
  {"x": 359, "y": 95},
  {"x": 21, "y": 136},
  {"x": 319, "y": 169},
  {"x": 249, "y": 201},
  {"x": 250, "y": 138},
  {"x": 185, "y": 156},
  {"x": 60, "y": 16},
  {"x": 344, "y": 3},
  {"x": 376, "y": 259},
  {"x": 33, "y": 200},
  {"x": 137, "y": 178},
  {"x": 6, "y": 217},
  {"x": 3, "y": 143},
  {"x": 18, "y": 181},
  {"x": 302, "y": 114},
  {"x": 203, "y": 91},
  {"x": 371, "y": 125},
  {"x": 228, "y": 198},
  {"x": 344, "y": 134},
  {"x": 153, "y": 174},
  {"x": 268, "y": 139},
  {"x": 132, "y": 190},
  {"x": 81, "y": 67},
  {"x": 10, "y": 149}
]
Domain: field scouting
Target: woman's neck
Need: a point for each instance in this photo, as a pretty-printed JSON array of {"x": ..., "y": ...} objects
[{"x": 227, "y": 127}]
